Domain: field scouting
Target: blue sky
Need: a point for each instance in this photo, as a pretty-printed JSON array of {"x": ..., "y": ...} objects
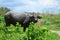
[{"x": 32, "y": 5}]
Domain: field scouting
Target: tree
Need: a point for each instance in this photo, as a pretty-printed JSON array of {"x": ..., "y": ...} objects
[{"x": 3, "y": 10}]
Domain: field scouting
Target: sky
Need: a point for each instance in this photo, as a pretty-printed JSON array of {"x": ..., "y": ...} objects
[{"x": 32, "y": 5}]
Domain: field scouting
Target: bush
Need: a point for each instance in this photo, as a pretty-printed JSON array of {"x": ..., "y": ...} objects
[{"x": 32, "y": 33}]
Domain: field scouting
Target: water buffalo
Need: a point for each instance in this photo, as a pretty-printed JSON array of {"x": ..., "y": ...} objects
[{"x": 23, "y": 18}]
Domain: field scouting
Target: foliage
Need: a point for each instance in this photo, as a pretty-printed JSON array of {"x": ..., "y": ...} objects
[{"x": 33, "y": 32}]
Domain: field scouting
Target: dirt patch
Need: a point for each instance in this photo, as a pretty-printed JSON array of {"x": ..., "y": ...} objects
[{"x": 56, "y": 31}]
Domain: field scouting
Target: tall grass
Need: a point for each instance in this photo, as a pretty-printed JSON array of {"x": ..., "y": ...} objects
[
  {"x": 33, "y": 32},
  {"x": 51, "y": 20}
]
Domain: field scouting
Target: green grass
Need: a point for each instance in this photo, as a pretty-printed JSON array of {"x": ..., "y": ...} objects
[
  {"x": 38, "y": 31},
  {"x": 52, "y": 21},
  {"x": 33, "y": 32}
]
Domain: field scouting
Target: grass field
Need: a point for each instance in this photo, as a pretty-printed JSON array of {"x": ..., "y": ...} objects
[
  {"x": 38, "y": 31},
  {"x": 52, "y": 21}
]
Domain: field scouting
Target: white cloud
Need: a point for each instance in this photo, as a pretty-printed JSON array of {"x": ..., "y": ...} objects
[
  {"x": 36, "y": 5},
  {"x": 33, "y": 5},
  {"x": 47, "y": 3}
]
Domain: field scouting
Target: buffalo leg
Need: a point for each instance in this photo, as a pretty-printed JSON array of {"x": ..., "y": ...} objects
[
  {"x": 25, "y": 26},
  {"x": 24, "y": 29},
  {"x": 7, "y": 23}
]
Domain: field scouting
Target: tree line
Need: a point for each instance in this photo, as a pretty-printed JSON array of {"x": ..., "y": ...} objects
[{"x": 3, "y": 10}]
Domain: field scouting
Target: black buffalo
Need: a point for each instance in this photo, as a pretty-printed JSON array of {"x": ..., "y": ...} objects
[{"x": 23, "y": 18}]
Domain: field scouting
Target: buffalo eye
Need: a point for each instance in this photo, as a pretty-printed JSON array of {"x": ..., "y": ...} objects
[{"x": 32, "y": 17}]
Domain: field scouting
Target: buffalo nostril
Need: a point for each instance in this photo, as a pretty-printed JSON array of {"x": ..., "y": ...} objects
[{"x": 36, "y": 21}]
